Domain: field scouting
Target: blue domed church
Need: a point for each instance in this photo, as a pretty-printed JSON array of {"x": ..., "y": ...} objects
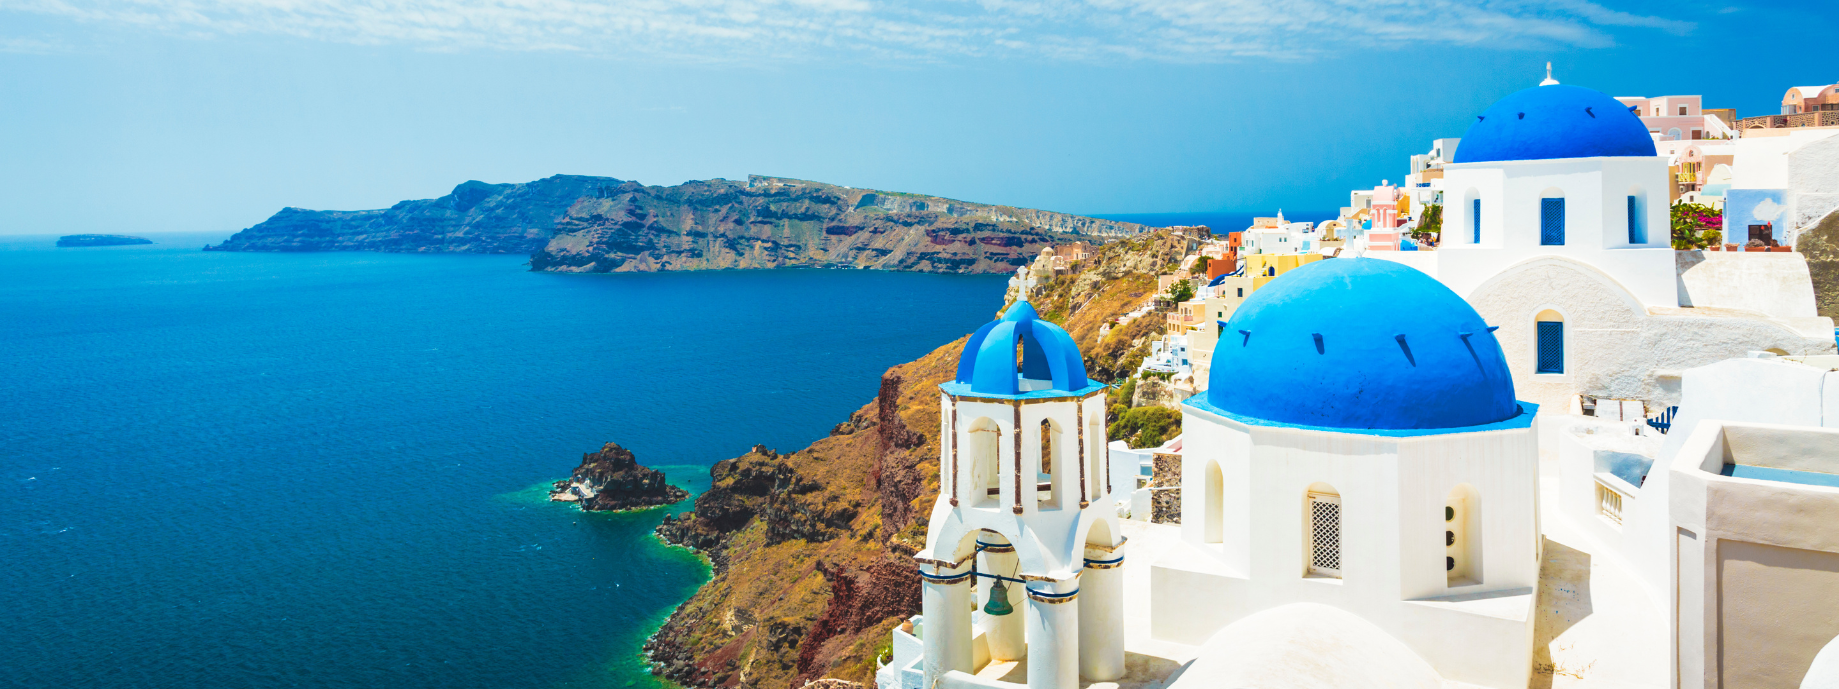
[{"x": 1363, "y": 450}]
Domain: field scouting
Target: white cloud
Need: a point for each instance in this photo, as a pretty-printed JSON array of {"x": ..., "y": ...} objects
[{"x": 753, "y": 30}]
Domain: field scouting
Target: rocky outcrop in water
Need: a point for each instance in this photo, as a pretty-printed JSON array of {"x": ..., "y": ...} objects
[
  {"x": 612, "y": 479},
  {"x": 100, "y": 240}
]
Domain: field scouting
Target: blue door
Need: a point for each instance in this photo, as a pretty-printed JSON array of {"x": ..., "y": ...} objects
[
  {"x": 1551, "y": 347},
  {"x": 1551, "y": 222}
]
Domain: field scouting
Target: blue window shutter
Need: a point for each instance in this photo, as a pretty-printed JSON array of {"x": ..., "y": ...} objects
[
  {"x": 1636, "y": 234},
  {"x": 1551, "y": 347},
  {"x": 1551, "y": 222},
  {"x": 1475, "y": 218}
]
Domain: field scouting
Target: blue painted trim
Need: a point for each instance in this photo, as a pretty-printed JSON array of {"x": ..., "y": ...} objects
[
  {"x": 1045, "y": 594},
  {"x": 935, "y": 577},
  {"x": 1523, "y": 419},
  {"x": 1091, "y": 561},
  {"x": 957, "y": 389}
]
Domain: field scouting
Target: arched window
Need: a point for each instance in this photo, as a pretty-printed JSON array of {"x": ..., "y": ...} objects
[
  {"x": 1322, "y": 532},
  {"x": 1637, "y": 228},
  {"x": 1045, "y": 491},
  {"x": 1462, "y": 536},
  {"x": 1213, "y": 529},
  {"x": 984, "y": 448},
  {"x": 1551, "y": 218},
  {"x": 1095, "y": 454},
  {"x": 1475, "y": 218},
  {"x": 1674, "y": 134},
  {"x": 1549, "y": 336}
]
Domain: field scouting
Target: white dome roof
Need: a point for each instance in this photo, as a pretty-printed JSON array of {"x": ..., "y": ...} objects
[{"x": 1306, "y": 646}]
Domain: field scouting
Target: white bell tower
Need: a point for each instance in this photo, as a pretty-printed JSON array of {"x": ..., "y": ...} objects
[{"x": 1025, "y": 512}]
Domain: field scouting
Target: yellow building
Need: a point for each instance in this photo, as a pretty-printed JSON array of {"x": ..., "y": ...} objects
[{"x": 1266, "y": 267}]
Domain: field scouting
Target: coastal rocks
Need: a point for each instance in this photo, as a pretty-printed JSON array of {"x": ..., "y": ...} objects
[
  {"x": 612, "y": 479},
  {"x": 758, "y": 484},
  {"x": 886, "y": 589},
  {"x": 100, "y": 240}
]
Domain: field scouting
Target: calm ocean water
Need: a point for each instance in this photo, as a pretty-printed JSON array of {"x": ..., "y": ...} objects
[{"x": 329, "y": 470}]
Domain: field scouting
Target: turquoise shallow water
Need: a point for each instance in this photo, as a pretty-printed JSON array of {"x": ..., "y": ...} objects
[{"x": 328, "y": 470}]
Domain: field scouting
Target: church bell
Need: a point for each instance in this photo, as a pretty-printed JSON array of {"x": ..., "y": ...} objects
[{"x": 999, "y": 600}]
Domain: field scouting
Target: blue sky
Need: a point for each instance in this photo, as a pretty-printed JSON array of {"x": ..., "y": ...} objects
[{"x": 209, "y": 115}]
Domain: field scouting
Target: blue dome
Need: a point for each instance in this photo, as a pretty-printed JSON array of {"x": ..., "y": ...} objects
[
  {"x": 1360, "y": 343},
  {"x": 1555, "y": 121},
  {"x": 1050, "y": 360}
]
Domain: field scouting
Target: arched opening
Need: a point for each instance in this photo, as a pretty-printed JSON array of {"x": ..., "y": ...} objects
[
  {"x": 1213, "y": 529},
  {"x": 984, "y": 448},
  {"x": 1462, "y": 536},
  {"x": 1046, "y": 493},
  {"x": 1095, "y": 459},
  {"x": 1674, "y": 134},
  {"x": 1637, "y": 223},
  {"x": 1322, "y": 532},
  {"x": 1551, "y": 217},
  {"x": 1824, "y": 670},
  {"x": 1548, "y": 336}
]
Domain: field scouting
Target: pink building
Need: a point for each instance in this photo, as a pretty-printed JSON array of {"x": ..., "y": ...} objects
[{"x": 1675, "y": 118}]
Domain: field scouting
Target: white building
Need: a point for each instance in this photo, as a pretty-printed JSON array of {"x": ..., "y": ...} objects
[
  {"x": 1369, "y": 456},
  {"x": 1556, "y": 229},
  {"x": 1280, "y": 236}
]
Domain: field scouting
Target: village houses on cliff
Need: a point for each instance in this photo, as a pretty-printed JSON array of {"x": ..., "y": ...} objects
[{"x": 1545, "y": 449}]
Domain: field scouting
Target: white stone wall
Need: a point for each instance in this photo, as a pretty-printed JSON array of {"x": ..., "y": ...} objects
[
  {"x": 1614, "y": 347},
  {"x": 1393, "y": 492},
  {"x": 1774, "y": 283}
]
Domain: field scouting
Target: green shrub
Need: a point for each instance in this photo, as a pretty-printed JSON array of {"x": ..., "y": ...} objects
[
  {"x": 1145, "y": 426},
  {"x": 1696, "y": 226}
]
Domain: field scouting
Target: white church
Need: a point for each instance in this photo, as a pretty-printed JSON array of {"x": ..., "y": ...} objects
[{"x": 1398, "y": 485}]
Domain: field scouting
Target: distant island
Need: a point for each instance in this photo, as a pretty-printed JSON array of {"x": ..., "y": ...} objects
[
  {"x": 581, "y": 224},
  {"x": 100, "y": 240}
]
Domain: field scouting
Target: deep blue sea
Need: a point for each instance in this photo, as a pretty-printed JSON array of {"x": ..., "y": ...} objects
[{"x": 225, "y": 470}]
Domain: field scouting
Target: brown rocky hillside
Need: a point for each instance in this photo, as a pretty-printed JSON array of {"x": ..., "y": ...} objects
[{"x": 812, "y": 549}]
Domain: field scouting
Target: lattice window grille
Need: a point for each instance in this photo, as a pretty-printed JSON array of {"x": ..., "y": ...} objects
[
  {"x": 1609, "y": 503},
  {"x": 1324, "y": 525},
  {"x": 1551, "y": 222},
  {"x": 1551, "y": 347}
]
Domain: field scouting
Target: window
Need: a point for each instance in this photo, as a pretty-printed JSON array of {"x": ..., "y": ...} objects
[
  {"x": 1551, "y": 221},
  {"x": 1475, "y": 218},
  {"x": 1461, "y": 537},
  {"x": 1241, "y": 292},
  {"x": 1682, "y": 110},
  {"x": 1637, "y": 234},
  {"x": 1323, "y": 530},
  {"x": 1551, "y": 347},
  {"x": 1213, "y": 526}
]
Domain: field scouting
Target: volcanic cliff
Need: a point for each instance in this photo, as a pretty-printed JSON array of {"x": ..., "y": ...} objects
[
  {"x": 812, "y": 549},
  {"x": 584, "y": 224}
]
